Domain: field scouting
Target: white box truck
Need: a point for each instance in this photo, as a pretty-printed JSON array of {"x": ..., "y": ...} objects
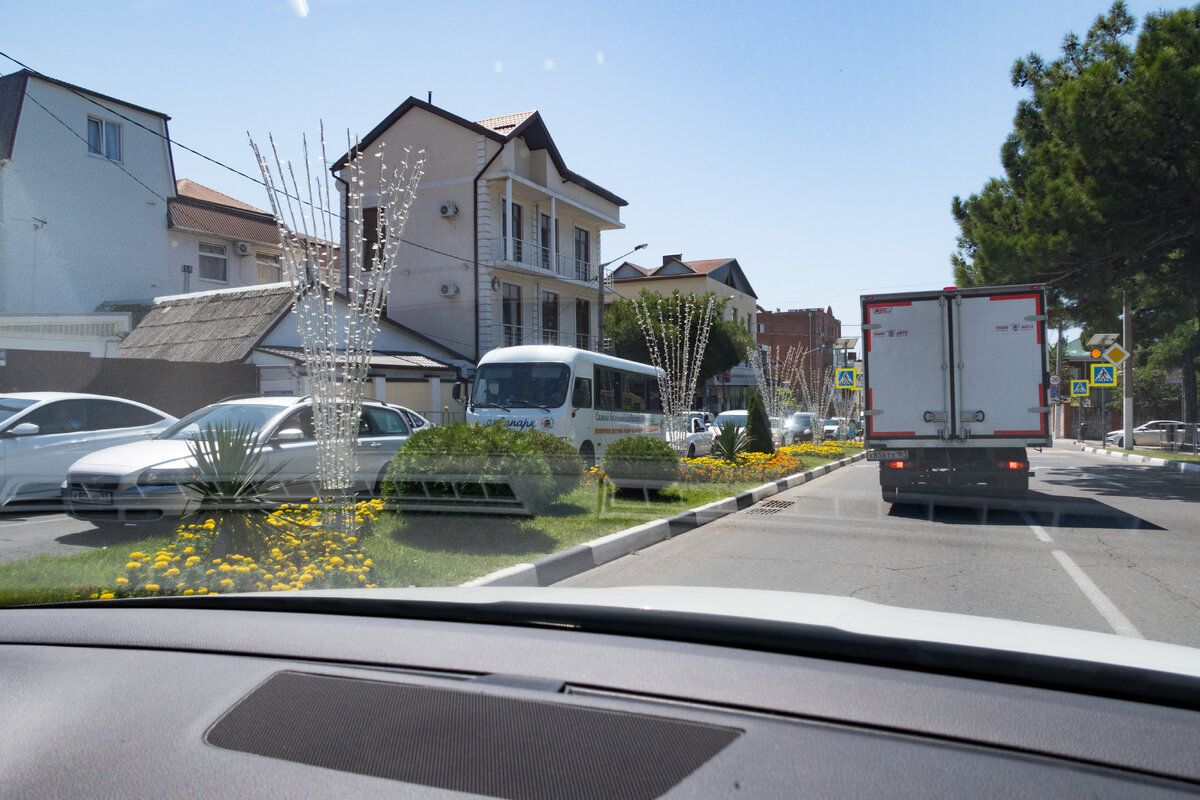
[{"x": 955, "y": 389}]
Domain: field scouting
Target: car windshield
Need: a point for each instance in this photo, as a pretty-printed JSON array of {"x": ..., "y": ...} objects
[
  {"x": 521, "y": 385},
  {"x": 9, "y": 406},
  {"x": 558, "y": 232},
  {"x": 221, "y": 416}
]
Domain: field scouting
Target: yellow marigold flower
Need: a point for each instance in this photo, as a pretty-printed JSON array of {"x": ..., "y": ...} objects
[
  {"x": 351, "y": 539},
  {"x": 192, "y": 561},
  {"x": 224, "y": 568},
  {"x": 202, "y": 590},
  {"x": 172, "y": 572},
  {"x": 93, "y": 596},
  {"x": 137, "y": 556},
  {"x": 188, "y": 591},
  {"x": 189, "y": 550},
  {"x": 336, "y": 561},
  {"x": 367, "y": 563},
  {"x": 306, "y": 578},
  {"x": 227, "y": 582},
  {"x": 152, "y": 587},
  {"x": 132, "y": 565},
  {"x": 122, "y": 581}
]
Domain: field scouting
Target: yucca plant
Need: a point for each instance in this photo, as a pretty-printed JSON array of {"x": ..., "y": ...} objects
[
  {"x": 730, "y": 443},
  {"x": 233, "y": 482}
]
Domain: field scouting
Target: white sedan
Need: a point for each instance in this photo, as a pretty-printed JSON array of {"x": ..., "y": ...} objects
[
  {"x": 1149, "y": 434},
  {"x": 43, "y": 433}
]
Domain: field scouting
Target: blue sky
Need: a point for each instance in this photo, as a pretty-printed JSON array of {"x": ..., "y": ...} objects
[{"x": 819, "y": 143}]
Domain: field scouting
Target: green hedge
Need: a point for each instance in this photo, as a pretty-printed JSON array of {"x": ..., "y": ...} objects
[
  {"x": 538, "y": 466},
  {"x": 641, "y": 461}
]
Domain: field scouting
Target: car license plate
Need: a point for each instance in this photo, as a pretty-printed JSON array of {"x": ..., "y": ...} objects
[
  {"x": 887, "y": 455},
  {"x": 95, "y": 498}
]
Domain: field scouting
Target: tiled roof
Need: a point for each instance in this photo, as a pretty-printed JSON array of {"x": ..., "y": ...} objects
[
  {"x": 505, "y": 123},
  {"x": 188, "y": 188},
  {"x": 212, "y": 327},
  {"x": 386, "y": 359},
  {"x": 706, "y": 266},
  {"x": 225, "y": 221}
]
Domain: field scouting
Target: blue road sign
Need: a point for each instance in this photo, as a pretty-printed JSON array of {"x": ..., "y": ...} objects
[
  {"x": 845, "y": 378},
  {"x": 1104, "y": 374},
  {"x": 1080, "y": 388}
]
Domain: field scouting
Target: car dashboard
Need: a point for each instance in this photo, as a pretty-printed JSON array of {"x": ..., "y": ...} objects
[{"x": 129, "y": 700}]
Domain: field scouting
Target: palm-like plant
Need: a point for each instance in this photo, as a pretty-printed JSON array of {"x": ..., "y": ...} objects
[
  {"x": 730, "y": 443},
  {"x": 233, "y": 483}
]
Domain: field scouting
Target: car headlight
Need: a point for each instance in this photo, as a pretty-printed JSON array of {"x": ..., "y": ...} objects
[
  {"x": 164, "y": 477},
  {"x": 807, "y": 431}
]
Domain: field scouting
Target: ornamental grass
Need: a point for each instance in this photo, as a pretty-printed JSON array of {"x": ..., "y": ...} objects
[{"x": 294, "y": 553}]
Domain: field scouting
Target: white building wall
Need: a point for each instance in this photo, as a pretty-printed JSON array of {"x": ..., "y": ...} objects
[
  {"x": 184, "y": 248},
  {"x": 78, "y": 230}
]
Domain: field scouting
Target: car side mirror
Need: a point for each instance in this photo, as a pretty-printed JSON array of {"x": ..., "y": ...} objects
[
  {"x": 25, "y": 429},
  {"x": 289, "y": 435}
]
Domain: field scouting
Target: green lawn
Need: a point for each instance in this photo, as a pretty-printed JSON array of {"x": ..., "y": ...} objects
[{"x": 409, "y": 549}]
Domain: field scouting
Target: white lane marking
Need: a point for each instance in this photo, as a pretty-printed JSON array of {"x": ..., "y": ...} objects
[
  {"x": 1112, "y": 615},
  {"x": 1038, "y": 531}
]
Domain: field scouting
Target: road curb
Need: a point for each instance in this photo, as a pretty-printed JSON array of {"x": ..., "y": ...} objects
[
  {"x": 1174, "y": 466},
  {"x": 583, "y": 557}
]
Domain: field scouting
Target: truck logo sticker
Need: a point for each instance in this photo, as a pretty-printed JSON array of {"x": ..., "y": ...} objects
[
  {"x": 548, "y": 424},
  {"x": 881, "y": 310},
  {"x": 1015, "y": 327}
]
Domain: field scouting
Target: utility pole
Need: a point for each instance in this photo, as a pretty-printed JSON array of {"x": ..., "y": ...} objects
[{"x": 1127, "y": 369}]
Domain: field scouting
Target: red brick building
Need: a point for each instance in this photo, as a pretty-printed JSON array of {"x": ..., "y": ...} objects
[{"x": 814, "y": 330}]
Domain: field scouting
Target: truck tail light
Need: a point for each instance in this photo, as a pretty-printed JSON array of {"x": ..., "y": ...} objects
[
  {"x": 1015, "y": 465},
  {"x": 897, "y": 464}
]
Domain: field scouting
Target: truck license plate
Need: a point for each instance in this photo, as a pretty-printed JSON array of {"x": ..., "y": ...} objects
[
  {"x": 95, "y": 498},
  {"x": 887, "y": 455}
]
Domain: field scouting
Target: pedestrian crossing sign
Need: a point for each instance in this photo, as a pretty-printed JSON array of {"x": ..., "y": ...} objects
[
  {"x": 1104, "y": 374},
  {"x": 845, "y": 378},
  {"x": 1079, "y": 388},
  {"x": 858, "y": 379}
]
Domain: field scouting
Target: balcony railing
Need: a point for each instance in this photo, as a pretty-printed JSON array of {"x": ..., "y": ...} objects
[
  {"x": 504, "y": 335},
  {"x": 522, "y": 252}
]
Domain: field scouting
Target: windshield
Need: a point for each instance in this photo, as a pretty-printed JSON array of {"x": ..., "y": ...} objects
[
  {"x": 9, "y": 406},
  {"x": 938, "y": 263},
  {"x": 521, "y": 385},
  {"x": 218, "y": 416}
]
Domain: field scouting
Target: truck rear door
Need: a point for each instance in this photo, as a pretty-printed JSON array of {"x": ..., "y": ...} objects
[
  {"x": 999, "y": 365},
  {"x": 907, "y": 368}
]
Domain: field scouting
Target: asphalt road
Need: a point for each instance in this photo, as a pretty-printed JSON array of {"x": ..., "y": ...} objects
[
  {"x": 1100, "y": 545},
  {"x": 42, "y": 529}
]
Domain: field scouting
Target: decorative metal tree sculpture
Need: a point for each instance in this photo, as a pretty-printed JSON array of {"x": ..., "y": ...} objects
[
  {"x": 676, "y": 330},
  {"x": 338, "y": 333},
  {"x": 776, "y": 372}
]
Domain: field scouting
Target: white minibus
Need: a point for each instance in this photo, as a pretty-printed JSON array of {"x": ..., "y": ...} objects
[{"x": 590, "y": 399}]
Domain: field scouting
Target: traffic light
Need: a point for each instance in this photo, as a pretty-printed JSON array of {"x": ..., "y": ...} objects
[{"x": 1095, "y": 352}]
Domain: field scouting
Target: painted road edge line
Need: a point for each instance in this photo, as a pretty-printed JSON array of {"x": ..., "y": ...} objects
[{"x": 583, "y": 557}]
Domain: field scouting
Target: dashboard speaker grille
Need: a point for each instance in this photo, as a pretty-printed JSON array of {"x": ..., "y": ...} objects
[{"x": 466, "y": 741}]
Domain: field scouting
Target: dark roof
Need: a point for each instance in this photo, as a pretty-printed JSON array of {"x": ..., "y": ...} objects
[
  {"x": 227, "y": 221},
  {"x": 72, "y": 87},
  {"x": 12, "y": 93},
  {"x": 531, "y": 128},
  {"x": 189, "y": 188},
  {"x": 213, "y": 327}
]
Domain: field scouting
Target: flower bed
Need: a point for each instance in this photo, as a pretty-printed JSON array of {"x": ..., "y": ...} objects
[
  {"x": 295, "y": 553},
  {"x": 750, "y": 467}
]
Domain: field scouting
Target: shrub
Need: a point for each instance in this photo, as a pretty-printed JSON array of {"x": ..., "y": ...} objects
[
  {"x": 458, "y": 459},
  {"x": 758, "y": 427},
  {"x": 641, "y": 461},
  {"x": 730, "y": 443}
]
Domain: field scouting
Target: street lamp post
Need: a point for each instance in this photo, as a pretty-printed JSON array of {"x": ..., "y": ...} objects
[{"x": 600, "y": 296}]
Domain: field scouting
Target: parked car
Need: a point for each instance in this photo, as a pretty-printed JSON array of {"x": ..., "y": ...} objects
[
  {"x": 415, "y": 420},
  {"x": 834, "y": 428},
  {"x": 801, "y": 424},
  {"x": 1149, "y": 434},
  {"x": 738, "y": 417},
  {"x": 699, "y": 439},
  {"x": 781, "y": 435},
  {"x": 146, "y": 481},
  {"x": 43, "y": 433}
]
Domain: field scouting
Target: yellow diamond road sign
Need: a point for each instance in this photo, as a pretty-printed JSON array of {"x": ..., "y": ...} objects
[{"x": 1116, "y": 354}]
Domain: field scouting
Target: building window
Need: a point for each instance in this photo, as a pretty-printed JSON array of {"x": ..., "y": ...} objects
[
  {"x": 583, "y": 323},
  {"x": 545, "y": 241},
  {"x": 511, "y": 228},
  {"x": 510, "y": 300},
  {"x": 214, "y": 264},
  {"x": 549, "y": 317},
  {"x": 104, "y": 138},
  {"x": 581, "y": 254},
  {"x": 269, "y": 268}
]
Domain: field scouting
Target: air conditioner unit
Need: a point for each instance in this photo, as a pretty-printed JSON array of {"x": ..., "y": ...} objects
[
  {"x": 242, "y": 248},
  {"x": 448, "y": 209},
  {"x": 449, "y": 289}
]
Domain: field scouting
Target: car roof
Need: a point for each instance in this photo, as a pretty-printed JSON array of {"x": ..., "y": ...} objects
[{"x": 43, "y": 396}]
